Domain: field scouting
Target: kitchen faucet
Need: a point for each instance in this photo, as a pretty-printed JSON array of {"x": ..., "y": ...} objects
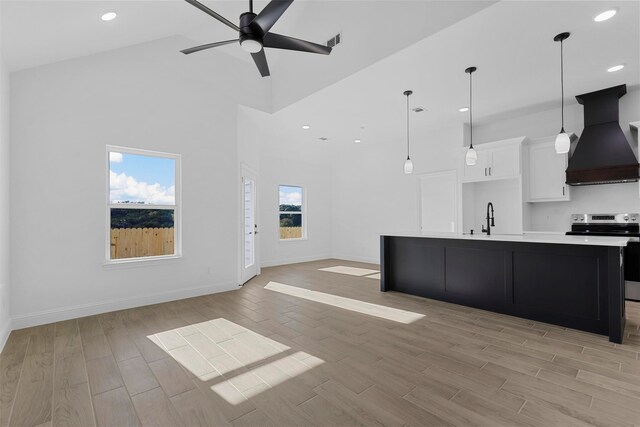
[{"x": 490, "y": 222}]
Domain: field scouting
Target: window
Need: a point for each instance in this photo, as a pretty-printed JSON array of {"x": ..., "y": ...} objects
[
  {"x": 142, "y": 204},
  {"x": 292, "y": 224}
]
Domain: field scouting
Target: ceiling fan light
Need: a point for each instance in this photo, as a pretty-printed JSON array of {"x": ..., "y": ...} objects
[
  {"x": 563, "y": 143},
  {"x": 108, "y": 15},
  {"x": 471, "y": 158},
  {"x": 607, "y": 14},
  {"x": 408, "y": 166},
  {"x": 251, "y": 46}
]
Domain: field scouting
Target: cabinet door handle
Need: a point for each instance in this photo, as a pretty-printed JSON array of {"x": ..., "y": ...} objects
[
  {"x": 485, "y": 171},
  {"x": 563, "y": 190},
  {"x": 489, "y": 171}
]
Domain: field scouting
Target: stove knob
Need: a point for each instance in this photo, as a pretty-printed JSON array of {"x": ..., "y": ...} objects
[
  {"x": 633, "y": 218},
  {"x": 626, "y": 218}
]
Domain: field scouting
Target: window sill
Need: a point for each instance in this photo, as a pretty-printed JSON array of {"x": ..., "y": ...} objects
[
  {"x": 141, "y": 262},
  {"x": 294, "y": 240}
]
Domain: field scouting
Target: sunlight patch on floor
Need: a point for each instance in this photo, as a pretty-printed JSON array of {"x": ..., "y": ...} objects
[
  {"x": 351, "y": 271},
  {"x": 233, "y": 361},
  {"x": 374, "y": 276},
  {"x": 384, "y": 312}
]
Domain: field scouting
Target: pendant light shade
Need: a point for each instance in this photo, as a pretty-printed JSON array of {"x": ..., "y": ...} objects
[
  {"x": 471, "y": 158},
  {"x": 563, "y": 142},
  {"x": 408, "y": 164}
]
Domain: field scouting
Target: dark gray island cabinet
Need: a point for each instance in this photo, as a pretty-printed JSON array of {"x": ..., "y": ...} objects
[{"x": 569, "y": 281}]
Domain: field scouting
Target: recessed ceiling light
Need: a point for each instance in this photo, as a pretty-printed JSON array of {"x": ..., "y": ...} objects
[
  {"x": 356, "y": 140},
  {"x": 305, "y": 127},
  {"x": 464, "y": 109},
  {"x": 615, "y": 68},
  {"x": 607, "y": 14},
  {"x": 108, "y": 15}
]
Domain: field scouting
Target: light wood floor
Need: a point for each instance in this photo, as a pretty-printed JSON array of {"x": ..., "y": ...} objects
[{"x": 264, "y": 357}]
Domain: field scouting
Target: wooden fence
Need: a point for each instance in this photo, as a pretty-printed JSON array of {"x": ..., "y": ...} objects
[
  {"x": 290, "y": 232},
  {"x": 141, "y": 242}
]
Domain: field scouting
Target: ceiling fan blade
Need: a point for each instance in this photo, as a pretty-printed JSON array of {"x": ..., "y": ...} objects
[
  {"x": 279, "y": 41},
  {"x": 207, "y": 46},
  {"x": 210, "y": 12},
  {"x": 261, "y": 62},
  {"x": 270, "y": 14}
]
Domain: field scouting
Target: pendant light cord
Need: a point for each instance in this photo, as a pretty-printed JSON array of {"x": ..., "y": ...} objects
[
  {"x": 408, "y": 126},
  {"x": 562, "y": 82},
  {"x": 470, "y": 107}
]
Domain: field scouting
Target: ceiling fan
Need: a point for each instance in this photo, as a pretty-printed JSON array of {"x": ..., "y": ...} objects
[{"x": 254, "y": 33}]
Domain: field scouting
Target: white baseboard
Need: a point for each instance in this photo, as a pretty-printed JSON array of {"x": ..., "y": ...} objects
[
  {"x": 287, "y": 261},
  {"x": 66, "y": 313},
  {"x": 5, "y": 330},
  {"x": 357, "y": 259}
]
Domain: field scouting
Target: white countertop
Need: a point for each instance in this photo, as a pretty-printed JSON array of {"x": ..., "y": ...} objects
[{"x": 529, "y": 238}]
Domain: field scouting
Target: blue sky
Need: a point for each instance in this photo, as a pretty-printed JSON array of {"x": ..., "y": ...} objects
[
  {"x": 290, "y": 195},
  {"x": 137, "y": 178},
  {"x": 147, "y": 169}
]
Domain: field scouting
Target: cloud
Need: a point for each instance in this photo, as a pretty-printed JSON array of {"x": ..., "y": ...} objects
[
  {"x": 293, "y": 198},
  {"x": 115, "y": 157},
  {"x": 124, "y": 188}
]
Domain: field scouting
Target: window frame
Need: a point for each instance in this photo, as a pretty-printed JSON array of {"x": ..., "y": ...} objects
[
  {"x": 177, "y": 207},
  {"x": 302, "y": 213}
]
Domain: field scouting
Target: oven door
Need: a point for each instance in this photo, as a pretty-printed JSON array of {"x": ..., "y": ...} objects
[{"x": 632, "y": 270}]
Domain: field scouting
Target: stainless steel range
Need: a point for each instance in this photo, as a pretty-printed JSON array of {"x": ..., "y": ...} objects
[{"x": 621, "y": 225}]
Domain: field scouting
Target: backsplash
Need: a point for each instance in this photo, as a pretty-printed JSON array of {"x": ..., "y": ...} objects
[{"x": 610, "y": 198}]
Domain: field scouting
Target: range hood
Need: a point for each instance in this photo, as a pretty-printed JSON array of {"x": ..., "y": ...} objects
[{"x": 603, "y": 155}]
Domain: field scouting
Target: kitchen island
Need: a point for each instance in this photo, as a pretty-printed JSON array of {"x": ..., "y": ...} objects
[{"x": 570, "y": 281}]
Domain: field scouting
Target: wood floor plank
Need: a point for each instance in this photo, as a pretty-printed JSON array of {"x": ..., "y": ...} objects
[
  {"x": 194, "y": 409},
  {"x": 114, "y": 409},
  {"x": 72, "y": 405},
  {"x": 33, "y": 403},
  {"x": 137, "y": 376},
  {"x": 171, "y": 376},
  {"x": 155, "y": 409},
  {"x": 122, "y": 345},
  {"x": 104, "y": 375},
  {"x": 11, "y": 362},
  {"x": 258, "y": 357}
]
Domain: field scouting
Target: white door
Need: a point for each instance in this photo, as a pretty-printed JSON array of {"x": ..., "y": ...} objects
[
  {"x": 250, "y": 265},
  {"x": 438, "y": 202}
]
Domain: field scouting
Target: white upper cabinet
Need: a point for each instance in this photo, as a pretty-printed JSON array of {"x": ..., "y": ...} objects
[
  {"x": 545, "y": 172},
  {"x": 496, "y": 160},
  {"x": 505, "y": 161},
  {"x": 478, "y": 171}
]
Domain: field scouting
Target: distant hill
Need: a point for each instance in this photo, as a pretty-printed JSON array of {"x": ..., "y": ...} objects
[{"x": 142, "y": 218}]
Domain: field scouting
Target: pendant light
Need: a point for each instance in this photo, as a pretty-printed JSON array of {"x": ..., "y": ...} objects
[
  {"x": 408, "y": 164},
  {"x": 471, "y": 158},
  {"x": 563, "y": 143}
]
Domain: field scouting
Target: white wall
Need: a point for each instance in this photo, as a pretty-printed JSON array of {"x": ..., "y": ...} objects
[
  {"x": 372, "y": 195},
  {"x": 286, "y": 165},
  {"x": 147, "y": 96},
  {"x": 5, "y": 319}
]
